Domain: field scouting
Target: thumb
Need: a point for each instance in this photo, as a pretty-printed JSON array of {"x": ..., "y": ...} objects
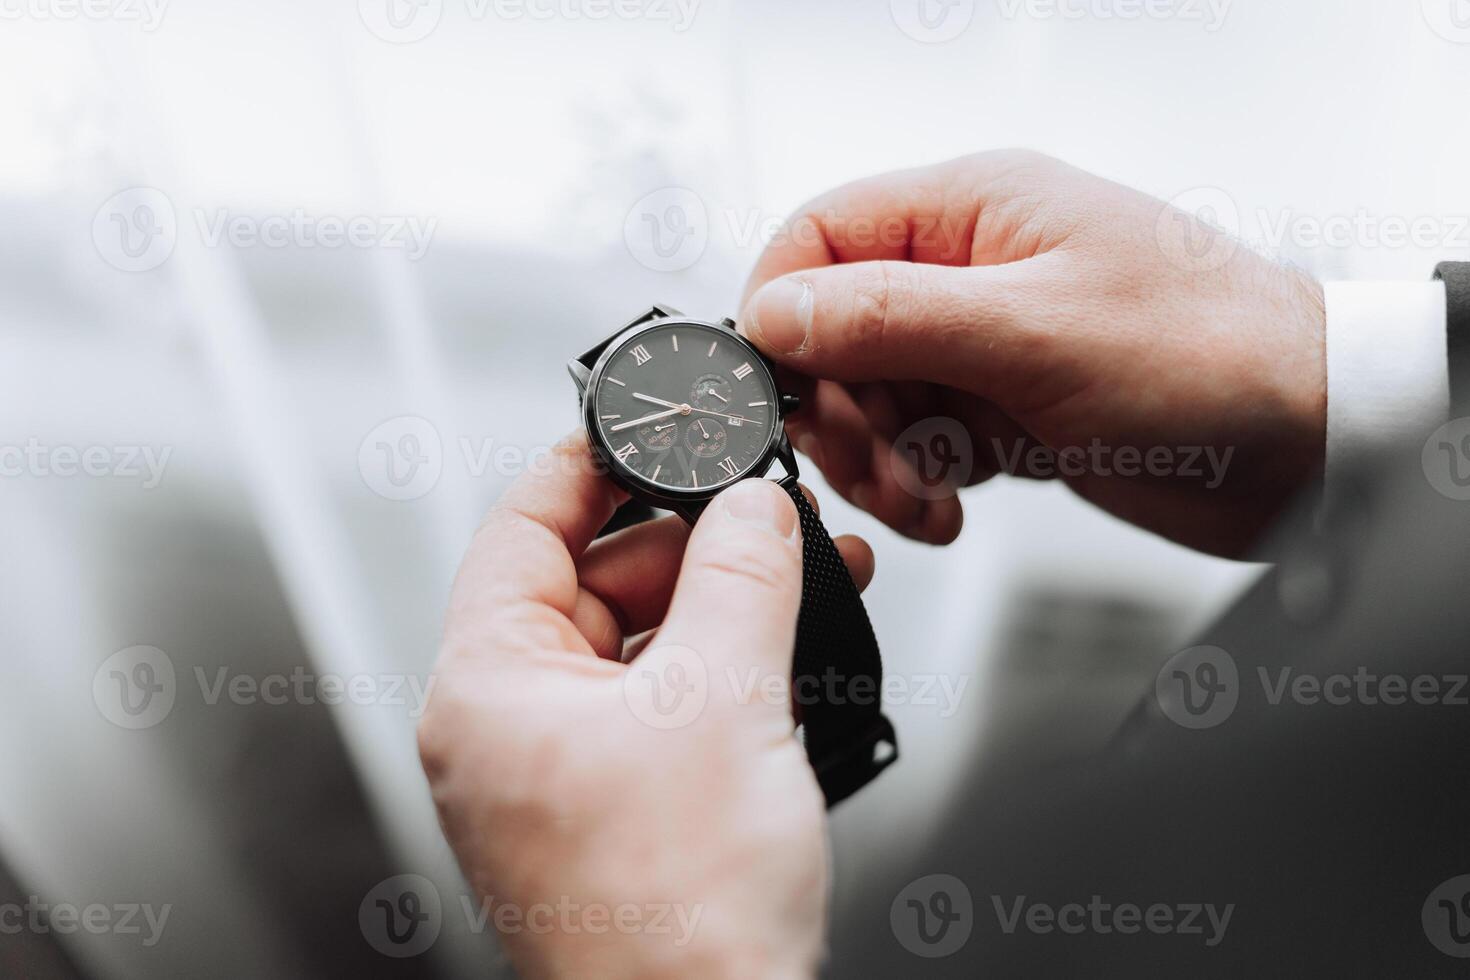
[
  {"x": 888, "y": 321},
  {"x": 739, "y": 588}
]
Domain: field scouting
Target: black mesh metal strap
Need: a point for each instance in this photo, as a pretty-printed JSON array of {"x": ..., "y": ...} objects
[
  {"x": 1456, "y": 277},
  {"x": 837, "y": 672}
]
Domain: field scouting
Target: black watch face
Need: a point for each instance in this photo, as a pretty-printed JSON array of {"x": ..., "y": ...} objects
[{"x": 685, "y": 407}]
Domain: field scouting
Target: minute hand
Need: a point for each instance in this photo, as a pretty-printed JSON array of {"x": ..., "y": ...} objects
[{"x": 694, "y": 408}]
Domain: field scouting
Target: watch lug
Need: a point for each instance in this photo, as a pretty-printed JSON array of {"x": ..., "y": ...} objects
[
  {"x": 580, "y": 373},
  {"x": 787, "y": 456},
  {"x": 689, "y": 510},
  {"x": 663, "y": 309}
]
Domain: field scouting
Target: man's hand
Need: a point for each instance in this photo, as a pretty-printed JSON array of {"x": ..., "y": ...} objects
[
  {"x": 1043, "y": 307},
  {"x": 665, "y": 802}
]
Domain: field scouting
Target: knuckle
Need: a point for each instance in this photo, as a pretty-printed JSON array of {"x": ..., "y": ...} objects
[
  {"x": 879, "y": 300},
  {"x": 761, "y": 566}
]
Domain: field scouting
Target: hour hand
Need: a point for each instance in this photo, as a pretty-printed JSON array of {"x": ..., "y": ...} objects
[{"x": 647, "y": 418}]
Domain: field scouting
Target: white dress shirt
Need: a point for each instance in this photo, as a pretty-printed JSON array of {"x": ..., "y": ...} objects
[{"x": 1387, "y": 365}]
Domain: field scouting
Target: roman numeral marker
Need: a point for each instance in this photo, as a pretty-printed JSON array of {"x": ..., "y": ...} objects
[
  {"x": 625, "y": 452},
  {"x": 728, "y": 465},
  {"x": 641, "y": 355},
  {"x": 743, "y": 371}
]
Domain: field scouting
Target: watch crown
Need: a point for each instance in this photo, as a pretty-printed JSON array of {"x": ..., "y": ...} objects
[
  {"x": 728, "y": 323},
  {"x": 790, "y": 403}
]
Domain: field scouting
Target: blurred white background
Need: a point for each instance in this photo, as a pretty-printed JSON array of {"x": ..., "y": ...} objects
[{"x": 518, "y": 185}]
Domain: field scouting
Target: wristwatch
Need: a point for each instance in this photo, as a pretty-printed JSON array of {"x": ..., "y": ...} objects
[{"x": 678, "y": 410}]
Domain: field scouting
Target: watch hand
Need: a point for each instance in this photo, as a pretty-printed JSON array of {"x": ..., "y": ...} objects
[
  {"x": 647, "y": 418},
  {"x": 733, "y": 418},
  {"x": 659, "y": 401},
  {"x": 686, "y": 409}
]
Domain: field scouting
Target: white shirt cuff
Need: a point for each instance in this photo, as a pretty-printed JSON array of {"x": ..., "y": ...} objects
[{"x": 1387, "y": 366}]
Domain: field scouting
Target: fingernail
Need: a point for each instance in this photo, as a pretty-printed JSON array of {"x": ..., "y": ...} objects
[
  {"x": 780, "y": 317},
  {"x": 762, "y": 503}
]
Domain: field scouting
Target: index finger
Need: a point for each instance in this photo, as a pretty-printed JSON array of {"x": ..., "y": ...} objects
[
  {"x": 517, "y": 584},
  {"x": 972, "y": 210}
]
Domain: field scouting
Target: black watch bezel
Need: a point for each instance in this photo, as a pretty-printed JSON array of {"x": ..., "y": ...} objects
[{"x": 687, "y": 503}]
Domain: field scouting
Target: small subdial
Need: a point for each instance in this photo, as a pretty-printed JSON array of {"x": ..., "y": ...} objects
[
  {"x": 706, "y": 438},
  {"x": 658, "y": 436},
  {"x": 711, "y": 391}
]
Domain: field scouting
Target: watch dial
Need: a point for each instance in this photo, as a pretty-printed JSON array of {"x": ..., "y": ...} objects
[{"x": 685, "y": 407}]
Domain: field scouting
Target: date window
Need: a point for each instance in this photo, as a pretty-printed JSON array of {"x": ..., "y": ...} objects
[{"x": 736, "y": 421}]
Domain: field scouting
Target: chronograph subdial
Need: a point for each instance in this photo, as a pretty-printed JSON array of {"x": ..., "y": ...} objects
[
  {"x": 706, "y": 438},
  {"x": 711, "y": 391},
  {"x": 658, "y": 436}
]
